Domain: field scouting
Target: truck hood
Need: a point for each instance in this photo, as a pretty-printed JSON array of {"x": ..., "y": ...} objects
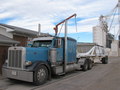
[{"x": 36, "y": 54}]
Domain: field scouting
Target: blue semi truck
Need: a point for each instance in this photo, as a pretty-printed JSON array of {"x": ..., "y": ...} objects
[{"x": 47, "y": 56}]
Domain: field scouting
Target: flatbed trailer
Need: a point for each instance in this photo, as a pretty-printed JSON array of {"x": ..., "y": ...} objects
[{"x": 92, "y": 52}]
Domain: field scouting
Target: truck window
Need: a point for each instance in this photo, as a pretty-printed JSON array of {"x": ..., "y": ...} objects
[
  {"x": 57, "y": 43},
  {"x": 42, "y": 43}
]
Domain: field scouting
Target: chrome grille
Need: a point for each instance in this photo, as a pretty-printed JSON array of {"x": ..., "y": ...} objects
[{"x": 15, "y": 58}]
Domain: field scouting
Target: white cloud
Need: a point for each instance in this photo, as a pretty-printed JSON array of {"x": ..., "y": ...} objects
[
  {"x": 28, "y": 13},
  {"x": 4, "y": 15}
]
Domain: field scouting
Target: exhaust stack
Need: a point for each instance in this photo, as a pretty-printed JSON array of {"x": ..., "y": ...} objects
[{"x": 39, "y": 29}]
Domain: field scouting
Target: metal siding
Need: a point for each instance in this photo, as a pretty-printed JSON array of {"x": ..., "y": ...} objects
[
  {"x": 71, "y": 51},
  {"x": 36, "y": 54},
  {"x": 59, "y": 54},
  {"x": 3, "y": 32},
  {"x": 99, "y": 36}
]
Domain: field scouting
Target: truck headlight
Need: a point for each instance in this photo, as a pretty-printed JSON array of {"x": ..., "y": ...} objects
[{"x": 27, "y": 63}]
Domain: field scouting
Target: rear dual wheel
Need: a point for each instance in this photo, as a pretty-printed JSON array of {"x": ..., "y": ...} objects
[
  {"x": 90, "y": 64},
  {"x": 87, "y": 65},
  {"x": 104, "y": 60}
]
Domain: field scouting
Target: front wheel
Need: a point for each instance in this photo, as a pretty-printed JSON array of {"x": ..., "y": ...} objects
[{"x": 40, "y": 75}]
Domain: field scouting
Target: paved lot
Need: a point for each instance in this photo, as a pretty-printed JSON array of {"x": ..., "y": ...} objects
[{"x": 101, "y": 77}]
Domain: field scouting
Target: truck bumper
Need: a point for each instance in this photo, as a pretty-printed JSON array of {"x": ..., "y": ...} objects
[{"x": 17, "y": 74}]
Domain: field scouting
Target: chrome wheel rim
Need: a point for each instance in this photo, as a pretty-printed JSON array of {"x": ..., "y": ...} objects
[{"x": 41, "y": 75}]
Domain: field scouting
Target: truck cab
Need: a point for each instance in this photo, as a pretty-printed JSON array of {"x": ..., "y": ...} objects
[{"x": 44, "y": 58}]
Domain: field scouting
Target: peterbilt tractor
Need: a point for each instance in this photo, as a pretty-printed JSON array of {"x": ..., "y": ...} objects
[{"x": 50, "y": 56}]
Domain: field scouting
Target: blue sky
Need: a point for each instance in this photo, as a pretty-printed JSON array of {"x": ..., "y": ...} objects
[
  {"x": 81, "y": 36},
  {"x": 29, "y": 13},
  {"x": 7, "y": 20}
]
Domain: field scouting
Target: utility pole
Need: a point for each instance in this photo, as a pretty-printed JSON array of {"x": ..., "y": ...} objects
[
  {"x": 119, "y": 21},
  {"x": 119, "y": 14},
  {"x": 65, "y": 59}
]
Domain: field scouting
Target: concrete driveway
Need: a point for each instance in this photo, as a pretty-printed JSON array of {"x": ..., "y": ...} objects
[{"x": 101, "y": 77}]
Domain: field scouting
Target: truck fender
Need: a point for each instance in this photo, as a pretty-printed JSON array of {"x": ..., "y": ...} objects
[{"x": 34, "y": 66}]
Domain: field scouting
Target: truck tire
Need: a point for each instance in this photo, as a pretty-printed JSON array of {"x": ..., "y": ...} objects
[
  {"x": 85, "y": 66},
  {"x": 40, "y": 75},
  {"x": 89, "y": 64},
  {"x": 104, "y": 60}
]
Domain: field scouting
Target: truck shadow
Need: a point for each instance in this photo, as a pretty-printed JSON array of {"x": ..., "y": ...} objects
[
  {"x": 19, "y": 82},
  {"x": 55, "y": 78}
]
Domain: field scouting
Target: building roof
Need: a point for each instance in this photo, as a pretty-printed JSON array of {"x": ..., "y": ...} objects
[
  {"x": 19, "y": 30},
  {"x": 7, "y": 40}
]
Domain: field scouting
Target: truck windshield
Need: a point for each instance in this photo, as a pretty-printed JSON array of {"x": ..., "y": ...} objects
[{"x": 42, "y": 43}]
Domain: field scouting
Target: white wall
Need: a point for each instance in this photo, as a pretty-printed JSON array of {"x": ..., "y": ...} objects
[
  {"x": 99, "y": 36},
  {"x": 3, "y": 32},
  {"x": 114, "y": 48}
]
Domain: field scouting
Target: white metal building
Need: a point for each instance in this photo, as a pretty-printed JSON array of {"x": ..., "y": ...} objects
[{"x": 99, "y": 36}]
